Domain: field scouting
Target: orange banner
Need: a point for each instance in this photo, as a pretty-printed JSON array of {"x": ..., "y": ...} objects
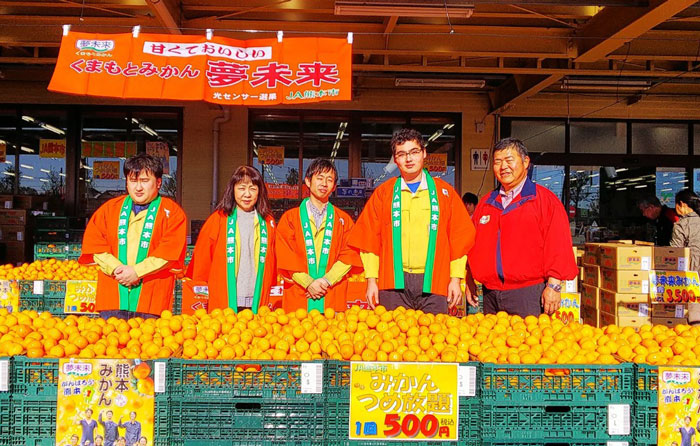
[
  {"x": 436, "y": 162},
  {"x": 52, "y": 148},
  {"x": 221, "y": 70}
]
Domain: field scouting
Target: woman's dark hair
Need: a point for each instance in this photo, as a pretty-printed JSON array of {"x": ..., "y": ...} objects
[
  {"x": 690, "y": 198},
  {"x": 228, "y": 201}
]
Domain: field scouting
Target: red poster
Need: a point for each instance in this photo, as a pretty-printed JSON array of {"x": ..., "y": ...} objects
[{"x": 221, "y": 70}]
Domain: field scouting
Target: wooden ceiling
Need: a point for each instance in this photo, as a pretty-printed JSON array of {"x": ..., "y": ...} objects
[{"x": 518, "y": 48}]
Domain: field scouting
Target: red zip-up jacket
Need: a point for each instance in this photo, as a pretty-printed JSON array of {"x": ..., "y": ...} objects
[{"x": 524, "y": 244}]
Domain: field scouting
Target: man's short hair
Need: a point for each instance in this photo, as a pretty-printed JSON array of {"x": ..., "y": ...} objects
[
  {"x": 469, "y": 197},
  {"x": 320, "y": 165},
  {"x": 511, "y": 143},
  {"x": 143, "y": 162},
  {"x": 405, "y": 135},
  {"x": 651, "y": 200}
]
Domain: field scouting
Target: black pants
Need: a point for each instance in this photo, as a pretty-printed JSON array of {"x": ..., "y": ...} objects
[
  {"x": 413, "y": 297},
  {"x": 524, "y": 301}
]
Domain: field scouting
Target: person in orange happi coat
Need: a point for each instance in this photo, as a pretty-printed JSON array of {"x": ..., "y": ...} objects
[
  {"x": 235, "y": 252},
  {"x": 413, "y": 235},
  {"x": 311, "y": 246},
  {"x": 138, "y": 241}
]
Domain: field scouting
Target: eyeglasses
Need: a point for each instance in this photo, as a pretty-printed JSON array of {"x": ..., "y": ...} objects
[{"x": 405, "y": 155}]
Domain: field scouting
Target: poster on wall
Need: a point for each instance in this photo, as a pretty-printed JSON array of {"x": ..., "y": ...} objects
[
  {"x": 271, "y": 155},
  {"x": 52, "y": 148},
  {"x": 108, "y": 149},
  {"x": 108, "y": 398},
  {"x": 436, "y": 162},
  {"x": 105, "y": 170},
  {"x": 160, "y": 150},
  {"x": 219, "y": 70}
]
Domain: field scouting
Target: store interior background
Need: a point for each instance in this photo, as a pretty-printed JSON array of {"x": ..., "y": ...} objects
[{"x": 598, "y": 150}]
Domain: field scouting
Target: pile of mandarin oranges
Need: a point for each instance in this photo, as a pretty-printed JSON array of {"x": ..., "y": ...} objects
[
  {"x": 49, "y": 269},
  {"x": 357, "y": 334}
]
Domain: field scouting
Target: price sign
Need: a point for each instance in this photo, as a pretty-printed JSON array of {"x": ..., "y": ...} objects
[
  {"x": 404, "y": 401},
  {"x": 570, "y": 310},
  {"x": 674, "y": 286},
  {"x": 271, "y": 155},
  {"x": 80, "y": 297},
  {"x": 9, "y": 295}
]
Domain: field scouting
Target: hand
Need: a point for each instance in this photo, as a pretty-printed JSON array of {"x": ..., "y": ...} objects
[
  {"x": 317, "y": 289},
  {"x": 551, "y": 300},
  {"x": 470, "y": 292},
  {"x": 372, "y": 294},
  {"x": 126, "y": 275},
  {"x": 454, "y": 292}
]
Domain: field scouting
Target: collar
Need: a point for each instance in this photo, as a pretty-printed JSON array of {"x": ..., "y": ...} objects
[
  {"x": 423, "y": 183},
  {"x": 310, "y": 206},
  {"x": 515, "y": 191},
  {"x": 528, "y": 190}
]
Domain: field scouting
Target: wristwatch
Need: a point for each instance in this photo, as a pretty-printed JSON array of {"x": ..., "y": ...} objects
[{"x": 556, "y": 288}]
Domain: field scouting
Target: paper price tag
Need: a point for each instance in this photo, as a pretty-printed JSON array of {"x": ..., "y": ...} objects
[
  {"x": 466, "y": 381},
  {"x": 680, "y": 311},
  {"x": 4, "y": 375},
  {"x": 570, "y": 286},
  {"x": 645, "y": 286},
  {"x": 682, "y": 264},
  {"x": 643, "y": 310},
  {"x": 159, "y": 373},
  {"x": 312, "y": 378},
  {"x": 646, "y": 263},
  {"x": 39, "y": 287},
  {"x": 618, "y": 419},
  {"x": 618, "y": 443}
]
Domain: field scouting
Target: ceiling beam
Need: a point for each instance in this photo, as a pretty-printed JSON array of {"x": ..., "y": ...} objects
[
  {"x": 615, "y": 26},
  {"x": 125, "y": 4},
  {"x": 517, "y": 88},
  {"x": 390, "y": 24},
  {"x": 167, "y": 14}
]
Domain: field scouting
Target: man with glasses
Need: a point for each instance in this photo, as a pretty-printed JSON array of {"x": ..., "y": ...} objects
[{"x": 413, "y": 235}]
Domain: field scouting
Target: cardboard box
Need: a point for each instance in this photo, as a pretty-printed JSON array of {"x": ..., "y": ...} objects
[
  {"x": 589, "y": 315},
  {"x": 590, "y": 296},
  {"x": 631, "y": 242},
  {"x": 625, "y": 305},
  {"x": 578, "y": 255},
  {"x": 633, "y": 282},
  {"x": 591, "y": 254},
  {"x": 591, "y": 275},
  {"x": 6, "y": 202},
  {"x": 669, "y": 321},
  {"x": 623, "y": 321},
  {"x": 670, "y": 310},
  {"x": 626, "y": 257},
  {"x": 40, "y": 202},
  {"x": 17, "y": 233},
  {"x": 667, "y": 258},
  {"x": 13, "y": 216},
  {"x": 569, "y": 286}
]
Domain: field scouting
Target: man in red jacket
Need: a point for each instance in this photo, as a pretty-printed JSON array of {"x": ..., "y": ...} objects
[{"x": 523, "y": 246}]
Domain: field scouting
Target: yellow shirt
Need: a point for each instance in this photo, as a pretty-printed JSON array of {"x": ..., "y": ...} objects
[
  {"x": 335, "y": 274},
  {"x": 108, "y": 262},
  {"x": 415, "y": 219}
]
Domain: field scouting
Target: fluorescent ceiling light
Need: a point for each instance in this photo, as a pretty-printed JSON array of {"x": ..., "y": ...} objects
[
  {"x": 27, "y": 177},
  {"x": 406, "y": 8},
  {"x": 43, "y": 180},
  {"x": 26, "y": 149},
  {"x": 604, "y": 85},
  {"x": 8, "y": 173},
  {"x": 439, "y": 83},
  {"x": 43, "y": 125}
]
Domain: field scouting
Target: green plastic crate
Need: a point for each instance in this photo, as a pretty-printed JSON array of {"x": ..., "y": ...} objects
[
  {"x": 51, "y": 288},
  {"x": 547, "y": 423},
  {"x": 45, "y": 250},
  {"x": 34, "y": 377},
  {"x": 5, "y": 419},
  {"x": 177, "y": 297},
  {"x": 544, "y": 384},
  {"x": 280, "y": 380},
  {"x": 645, "y": 421},
  {"x": 33, "y": 420},
  {"x": 188, "y": 253},
  {"x": 557, "y": 443},
  {"x": 646, "y": 404},
  {"x": 229, "y": 421},
  {"x": 646, "y": 385}
]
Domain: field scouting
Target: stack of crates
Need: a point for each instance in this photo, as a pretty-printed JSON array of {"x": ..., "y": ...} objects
[
  {"x": 5, "y": 408},
  {"x": 237, "y": 402},
  {"x": 42, "y": 295},
  {"x": 336, "y": 387},
  {"x": 57, "y": 250},
  {"x": 59, "y": 229},
  {"x": 34, "y": 386},
  {"x": 647, "y": 405},
  {"x": 562, "y": 404},
  {"x": 177, "y": 297}
]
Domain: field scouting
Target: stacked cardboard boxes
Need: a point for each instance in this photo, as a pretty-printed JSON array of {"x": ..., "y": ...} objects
[{"x": 616, "y": 284}]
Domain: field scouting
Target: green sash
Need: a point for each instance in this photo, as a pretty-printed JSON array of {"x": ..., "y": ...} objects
[
  {"x": 432, "y": 234},
  {"x": 316, "y": 269},
  {"x": 129, "y": 296},
  {"x": 231, "y": 261}
]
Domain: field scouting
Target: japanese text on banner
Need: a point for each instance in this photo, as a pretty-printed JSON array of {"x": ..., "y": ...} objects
[
  {"x": 674, "y": 286},
  {"x": 271, "y": 155},
  {"x": 80, "y": 297},
  {"x": 220, "y": 70},
  {"x": 52, "y": 148},
  {"x": 105, "y": 170},
  {"x": 111, "y": 398},
  {"x": 403, "y": 401},
  {"x": 160, "y": 150},
  {"x": 678, "y": 404},
  {"x": 436, "y": 162},
  {"x": 570, "y": 309}
]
